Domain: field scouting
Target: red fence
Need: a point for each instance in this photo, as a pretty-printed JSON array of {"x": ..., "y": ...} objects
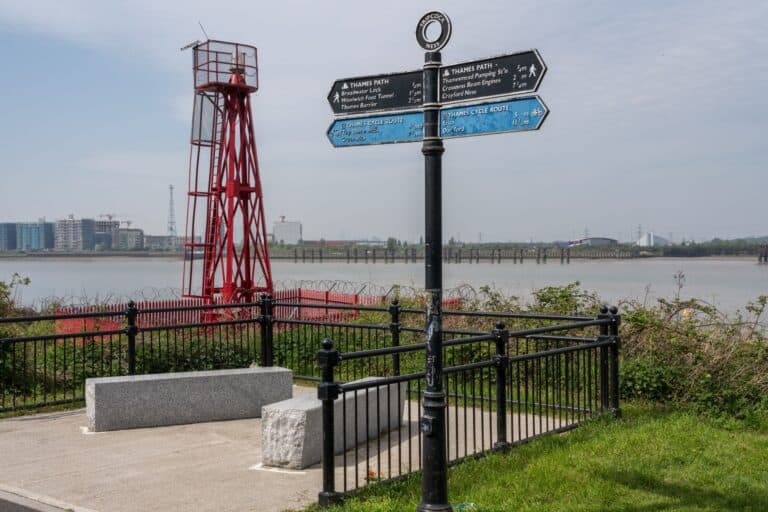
[{"x": 192, "y": 316}]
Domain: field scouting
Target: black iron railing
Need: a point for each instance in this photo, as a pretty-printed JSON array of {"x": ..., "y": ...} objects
[
  {"x": 503, "y": 387},
  {"x": 45, "y": 359}
]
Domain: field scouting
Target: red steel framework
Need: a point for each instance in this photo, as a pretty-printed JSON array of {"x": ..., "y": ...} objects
[{"x": 224, "y": 186}]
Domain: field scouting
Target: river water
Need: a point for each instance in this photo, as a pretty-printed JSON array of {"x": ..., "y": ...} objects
[{"x": 728, "y": 282}]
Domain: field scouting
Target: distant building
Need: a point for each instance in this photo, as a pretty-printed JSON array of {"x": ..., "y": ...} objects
[
  {"x": 75, "y": 234},
  {"x": 34, "y": 236},
  {"x": 594, "y": 241},
  {"x": 106, "y": 233},
  {"x": 130, "y": 239},
  {"x": 163, "y": 242},
  {"x": 7, "y": 236},
  {"x": 286, "y": 232},
  {"x": 652, "y": 240}
]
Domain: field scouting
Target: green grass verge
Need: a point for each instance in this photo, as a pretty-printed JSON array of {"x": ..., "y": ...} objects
[{"x": 650, "y": 460}]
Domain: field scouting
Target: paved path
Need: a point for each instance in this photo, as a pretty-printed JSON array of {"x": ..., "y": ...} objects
[
  {"x": 51, "y": 458},
  {"x": 200, "y": 467}
]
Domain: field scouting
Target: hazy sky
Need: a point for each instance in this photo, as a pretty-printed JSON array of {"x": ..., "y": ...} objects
[{"x": 658, "y": 115}]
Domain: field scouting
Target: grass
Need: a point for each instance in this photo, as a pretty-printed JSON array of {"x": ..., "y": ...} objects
[{"x": 653, "y": 459}]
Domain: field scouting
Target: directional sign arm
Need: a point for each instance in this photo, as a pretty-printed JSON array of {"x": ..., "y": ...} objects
[
  {"x": 517, "y": 73},
  {"x": 379, "y": 93},
  {"x": 516, "y": 115}
]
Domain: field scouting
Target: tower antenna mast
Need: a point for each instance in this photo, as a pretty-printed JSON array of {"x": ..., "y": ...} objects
[{"x": 171, "y": 213}]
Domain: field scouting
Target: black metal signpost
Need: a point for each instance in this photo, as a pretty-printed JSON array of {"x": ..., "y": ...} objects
[
  {"x": 470, "y": 84},
  {"x": 434, "y": 482}
]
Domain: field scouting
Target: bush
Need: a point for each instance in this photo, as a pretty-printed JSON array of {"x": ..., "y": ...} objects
[
  {"x": 681, "y": 350},
  {"x": 646, "y": 379}
]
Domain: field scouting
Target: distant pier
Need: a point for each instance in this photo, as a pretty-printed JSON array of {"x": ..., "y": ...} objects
[{"x": 539, "y": 255}]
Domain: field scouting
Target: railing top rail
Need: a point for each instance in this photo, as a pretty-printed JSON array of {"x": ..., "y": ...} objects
[
  {"x": 199, "y": 307},
  {"x": 62, "y": 316},
  {"x": 470, "y": 339},
  {"x": 469, "y": 366},
  {"x": 602, "y": 342},
  {"x": 527, "y": 316},
  {"x": 51, "y": 337},
  {"x": 331, "y": 324},
  {"x": 384, "y": 381},
  {"x": 308, "y": 305},
  {"x": 192, "y": 325},
  {"x": 559, "y": 327},
  {"x": 576, "y": 339},
  {"x": 346, "y": 356}
]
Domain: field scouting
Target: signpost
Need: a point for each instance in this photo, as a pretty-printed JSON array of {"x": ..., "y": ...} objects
[{"x": 470, "y": 84}]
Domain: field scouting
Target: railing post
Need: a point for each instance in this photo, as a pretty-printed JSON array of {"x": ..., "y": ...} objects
[
  {"x": 604, "y": 382},
  {"x": 327, "y": 392},
  {"x": 265, "y": 322},
  {"x": 614, "y": 332},
  {"x": 501, "y": 336},
  {"x": 394, "y": 328},
  {"x": 131, "y": 330}
]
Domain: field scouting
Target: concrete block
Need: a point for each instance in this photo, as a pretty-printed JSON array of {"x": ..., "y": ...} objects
[
  {"x": 292, "y": 430},
  {"x": 116, "y": 403}
]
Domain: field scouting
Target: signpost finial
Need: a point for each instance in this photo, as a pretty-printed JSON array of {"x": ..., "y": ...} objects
[{"x": 436, "y": 43}]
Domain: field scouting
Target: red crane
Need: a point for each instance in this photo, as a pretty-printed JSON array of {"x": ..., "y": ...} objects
[{"x": 225, "y": 202}]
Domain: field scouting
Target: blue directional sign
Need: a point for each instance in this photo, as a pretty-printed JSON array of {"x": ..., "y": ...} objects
[
  {"x": 387, "y": 129},
  {"x": 515, "y": 115}
]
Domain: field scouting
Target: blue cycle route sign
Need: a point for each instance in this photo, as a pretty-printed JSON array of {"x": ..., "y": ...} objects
[
  {"x": 382, "y": 129},
  {"x": 516, "y": 115}
]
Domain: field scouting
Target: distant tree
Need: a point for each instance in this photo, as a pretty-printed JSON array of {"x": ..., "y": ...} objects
[{"x": 391, "y": 243}]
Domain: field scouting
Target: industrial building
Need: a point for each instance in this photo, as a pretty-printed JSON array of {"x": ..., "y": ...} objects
[
  {"x": 163, "y": 242},
  {"x": 7, "y": 236},
  {"x": 652, "y": 240},
  {"x": 286, "y": 232},
  {"x": 594, "y": 241},
  {"x": 34, "y": 236},
  {"x": 75, "y": 234}
]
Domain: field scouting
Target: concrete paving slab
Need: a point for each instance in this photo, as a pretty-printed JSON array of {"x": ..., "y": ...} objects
[{"x": 201, "y": 467}]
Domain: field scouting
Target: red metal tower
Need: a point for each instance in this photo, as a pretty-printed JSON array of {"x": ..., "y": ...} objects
[{"x": 225, "y": 194}]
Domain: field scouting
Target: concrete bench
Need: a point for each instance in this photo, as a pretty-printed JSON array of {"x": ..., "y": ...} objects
[
  {"x": 116, "y": 403},
  {"x": 292, "y": 430}
]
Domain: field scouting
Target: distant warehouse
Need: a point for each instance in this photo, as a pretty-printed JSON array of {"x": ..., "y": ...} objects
[
  {"x": 286, "y": 232},
  {"x": 593, "y": 241}
]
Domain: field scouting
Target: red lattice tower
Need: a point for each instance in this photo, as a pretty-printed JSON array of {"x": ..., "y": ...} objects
[{"x": 225, "y": 194}]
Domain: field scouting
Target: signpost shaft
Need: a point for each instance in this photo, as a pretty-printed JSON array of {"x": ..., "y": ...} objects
[{"x": 434, "y": 460}]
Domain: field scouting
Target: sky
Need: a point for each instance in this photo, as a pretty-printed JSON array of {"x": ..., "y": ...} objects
[{"x": 658, "y": 116}]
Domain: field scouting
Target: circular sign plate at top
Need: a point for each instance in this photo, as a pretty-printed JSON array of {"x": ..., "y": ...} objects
[{"x": 433, "y": 45}]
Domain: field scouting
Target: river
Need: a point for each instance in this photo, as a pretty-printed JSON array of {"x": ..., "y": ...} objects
[{"x": 728, "y": 282}]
